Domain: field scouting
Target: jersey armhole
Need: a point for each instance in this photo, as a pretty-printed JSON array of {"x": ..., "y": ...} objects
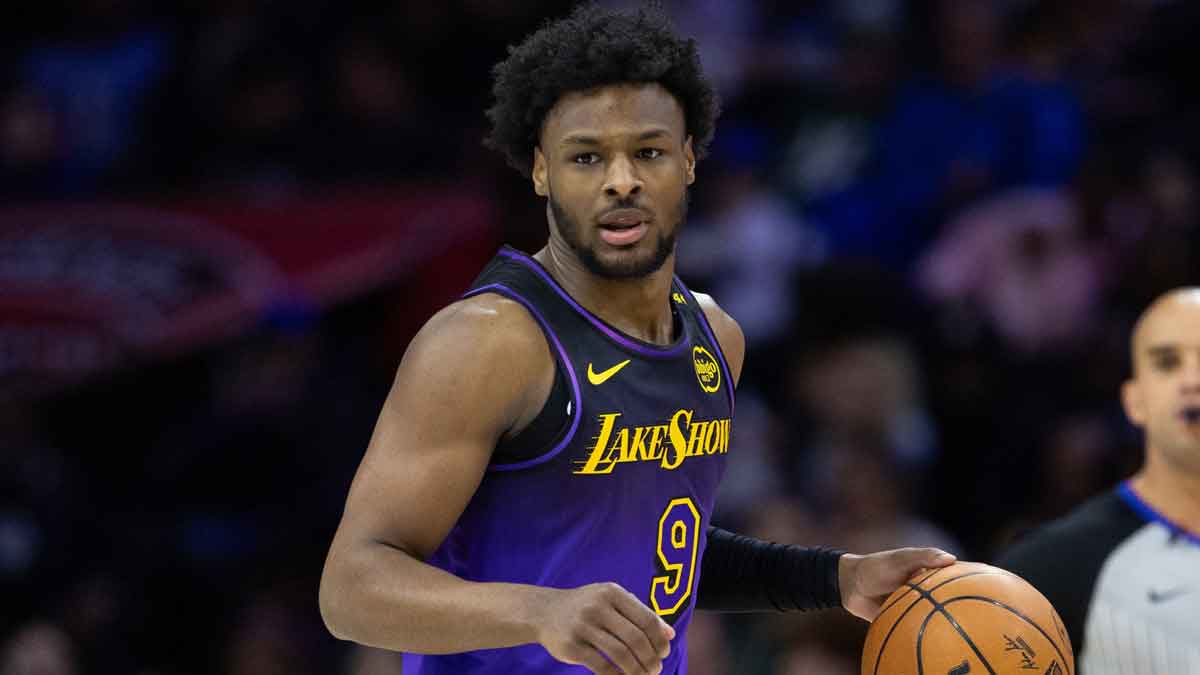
[
  {"x": 702, "y": 319},
  {"x": 541, "y": 433},
  {"x": 561, "y": 363}
]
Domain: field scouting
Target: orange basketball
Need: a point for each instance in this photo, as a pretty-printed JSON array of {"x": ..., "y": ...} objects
[{"x": 967, "y": 618}]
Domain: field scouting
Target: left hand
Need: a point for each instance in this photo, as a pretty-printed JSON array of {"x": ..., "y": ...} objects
[{"x": 867, "y": 580}]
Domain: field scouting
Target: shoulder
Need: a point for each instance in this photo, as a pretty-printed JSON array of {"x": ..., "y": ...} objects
[
  {"x": 1092, "y": 530},
  {"x": 482, "y": 324},
  {"x": 1063, "y": 559},
  {"x": 487, "y": 347},
  {"x": 728, "y": 332}
]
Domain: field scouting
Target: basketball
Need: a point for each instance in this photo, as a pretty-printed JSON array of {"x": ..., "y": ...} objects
[{"x": 967, "y": 618}]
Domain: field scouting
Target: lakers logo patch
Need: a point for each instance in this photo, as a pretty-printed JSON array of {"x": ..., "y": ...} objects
[{"x": 708, "y": 373}]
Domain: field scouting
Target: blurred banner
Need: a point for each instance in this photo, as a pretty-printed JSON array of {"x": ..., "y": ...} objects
[{"x": 90, "y": 287}]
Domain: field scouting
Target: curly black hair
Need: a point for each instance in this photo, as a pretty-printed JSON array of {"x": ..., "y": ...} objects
[{"x": 590, "y": 48}]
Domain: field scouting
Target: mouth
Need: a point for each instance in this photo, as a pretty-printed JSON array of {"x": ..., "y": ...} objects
[
  {"x": 1190, "y": 415},
  {"x": 622, "y": 235},
  {"x": 623, "y": 227}
]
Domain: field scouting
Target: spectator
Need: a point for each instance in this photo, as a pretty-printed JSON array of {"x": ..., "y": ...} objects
[
  {"x": 96, "y": 84},
  {"x": 38, "y": 649},
  {"x": 1022, "y": 261}
]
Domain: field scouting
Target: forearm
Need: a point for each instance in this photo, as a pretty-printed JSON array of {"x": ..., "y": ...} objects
[
  {"x": 381, "y": 596},
  {"x": 742, "y": 574}
]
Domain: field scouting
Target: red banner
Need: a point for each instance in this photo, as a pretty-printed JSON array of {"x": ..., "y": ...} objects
[{"x": 88, "y": 287}]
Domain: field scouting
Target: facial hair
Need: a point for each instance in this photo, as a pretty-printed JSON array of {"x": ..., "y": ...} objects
[{"x": 572, "y": 233}]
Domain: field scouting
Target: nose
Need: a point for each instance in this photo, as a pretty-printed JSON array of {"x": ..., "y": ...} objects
[
  {"x": 1190, "y": 381},
  {"x": 622, "y": 179}
]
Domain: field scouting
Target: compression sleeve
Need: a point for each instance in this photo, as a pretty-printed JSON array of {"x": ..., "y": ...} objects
[{"x": 743, "y": 574}]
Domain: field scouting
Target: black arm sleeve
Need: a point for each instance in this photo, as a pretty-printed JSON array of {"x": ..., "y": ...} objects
[{"x": 742, "y": 574}]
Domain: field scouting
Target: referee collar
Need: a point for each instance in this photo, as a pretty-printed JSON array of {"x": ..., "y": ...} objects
[{"x": 1147, "y": 512}]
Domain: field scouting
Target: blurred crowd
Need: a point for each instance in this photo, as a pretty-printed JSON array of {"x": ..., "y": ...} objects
[{"x": 935, "y": 220}]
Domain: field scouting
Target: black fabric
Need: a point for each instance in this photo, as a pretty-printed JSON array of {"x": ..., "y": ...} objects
[
  {"x": 553, "y": 420},
  {"x": 1064, "y": 558},
  {"x": 539, "y": 435},
  {"x": 743, "y": 574}
]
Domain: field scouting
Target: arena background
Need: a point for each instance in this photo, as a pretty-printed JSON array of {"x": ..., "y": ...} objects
[{"x": 221, "y": 222}]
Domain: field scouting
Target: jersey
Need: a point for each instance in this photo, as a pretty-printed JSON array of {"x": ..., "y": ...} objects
[
  {"x": 1126, "y": 582},
  {"x": 624, "y": 490}
]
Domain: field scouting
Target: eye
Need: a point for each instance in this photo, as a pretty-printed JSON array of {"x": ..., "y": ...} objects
[
  {"x": 1166, "y": 362},
  {"x": 650, "y": 153},
  {"x": 586, "y": 158}
]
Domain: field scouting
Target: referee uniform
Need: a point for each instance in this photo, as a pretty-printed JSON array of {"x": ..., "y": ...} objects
[{"x": 1126, "y": 582}]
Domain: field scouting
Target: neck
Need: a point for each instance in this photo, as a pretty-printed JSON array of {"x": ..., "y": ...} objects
[
  {"x": 638, "y": 307},
  {"x": 1171, "y": 491}
]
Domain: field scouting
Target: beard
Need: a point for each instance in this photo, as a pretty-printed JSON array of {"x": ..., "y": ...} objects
[{"x": 632, "y": 268}]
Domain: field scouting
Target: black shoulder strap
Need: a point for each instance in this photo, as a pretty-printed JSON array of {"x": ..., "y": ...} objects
[{"x": 507, "y": 276}]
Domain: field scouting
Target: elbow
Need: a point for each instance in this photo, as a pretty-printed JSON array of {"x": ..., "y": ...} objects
[{"x": 331, "y": 597}]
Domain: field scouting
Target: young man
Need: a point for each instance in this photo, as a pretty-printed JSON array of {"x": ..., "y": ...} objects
[
  {"x": 538, "y": 489},
  {"x": 1124, "y": 569}
]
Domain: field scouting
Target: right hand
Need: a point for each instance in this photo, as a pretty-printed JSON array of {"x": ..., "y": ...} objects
[{"x": 604, "y": 628}]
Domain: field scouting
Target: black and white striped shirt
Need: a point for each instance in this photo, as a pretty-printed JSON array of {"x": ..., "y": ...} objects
[{"x": 1126, "y": 582}]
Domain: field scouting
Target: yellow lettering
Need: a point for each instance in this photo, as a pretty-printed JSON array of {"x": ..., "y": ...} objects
[
  {"x": 707, "y": 443},
  {"x": 654, "y": 451},
  {"x": 695, "y": 444},
  {"x": 667, "y": 444},
  {"x": 675, "y": 433},
  {"x": 620, "y": 446},
  {"x": 638, "y": 447},
  {"x": 600, "y": 461}
]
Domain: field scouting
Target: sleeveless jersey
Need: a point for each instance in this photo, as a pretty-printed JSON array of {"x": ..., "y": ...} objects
[{"x": 622, "y": 493}]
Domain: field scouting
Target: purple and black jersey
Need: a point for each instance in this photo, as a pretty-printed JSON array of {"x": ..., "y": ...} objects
[{"x": 622, "y": 487}]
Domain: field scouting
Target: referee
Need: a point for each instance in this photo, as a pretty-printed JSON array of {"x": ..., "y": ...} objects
[{"x": 1123, "y": 570}]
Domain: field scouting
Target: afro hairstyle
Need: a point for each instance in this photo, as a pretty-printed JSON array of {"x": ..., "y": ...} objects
[{"x": 594, "y": 47}]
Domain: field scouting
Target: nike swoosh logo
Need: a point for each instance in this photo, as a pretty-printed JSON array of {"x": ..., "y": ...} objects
[
  {"x": 602, "y": 376},
  {"x": 1156, "y": 596}
]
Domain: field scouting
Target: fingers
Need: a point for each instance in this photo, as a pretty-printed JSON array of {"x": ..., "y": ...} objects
[
  {"x": 620, "y": 654},
  {"x": 656, "y": 631},
  {"x": 607, "y": 629},
  {"x": 635, "y": 640},
  {"x": 584, "y": 654},
  {"x": 929, "y": 557}
]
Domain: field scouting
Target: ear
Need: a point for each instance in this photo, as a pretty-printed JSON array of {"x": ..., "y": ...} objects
[
  {"x": 1134, "y": 403},
  {"x": 689, "y": 160},
  {"x": 541, "y": 181}
]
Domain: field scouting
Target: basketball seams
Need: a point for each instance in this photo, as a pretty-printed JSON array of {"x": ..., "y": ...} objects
[
  {"x": 910, "y": 585},
  {"x": 974, "y": 574},
  {"x": 942, "y": 608},
  {"x": 1019, "y": 614},
  {"x": 886, "y": 638},
  {"x": 921, "y": 595},
  {"x": 938, "y": 608}
]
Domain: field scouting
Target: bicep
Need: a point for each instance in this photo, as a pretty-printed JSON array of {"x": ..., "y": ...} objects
[{"x": 459, "y": 387}]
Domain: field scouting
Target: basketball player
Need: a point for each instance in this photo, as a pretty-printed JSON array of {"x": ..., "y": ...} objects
[
  {"x": 1123, "y": 570},
  {"x": 538, "y": 488}
]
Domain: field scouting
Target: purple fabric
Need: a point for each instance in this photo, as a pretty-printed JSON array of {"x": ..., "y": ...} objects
[{"x": 566, "y": 361}]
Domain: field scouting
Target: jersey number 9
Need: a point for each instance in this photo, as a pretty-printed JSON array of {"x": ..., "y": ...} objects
[{"x": 678, "y": 541}]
